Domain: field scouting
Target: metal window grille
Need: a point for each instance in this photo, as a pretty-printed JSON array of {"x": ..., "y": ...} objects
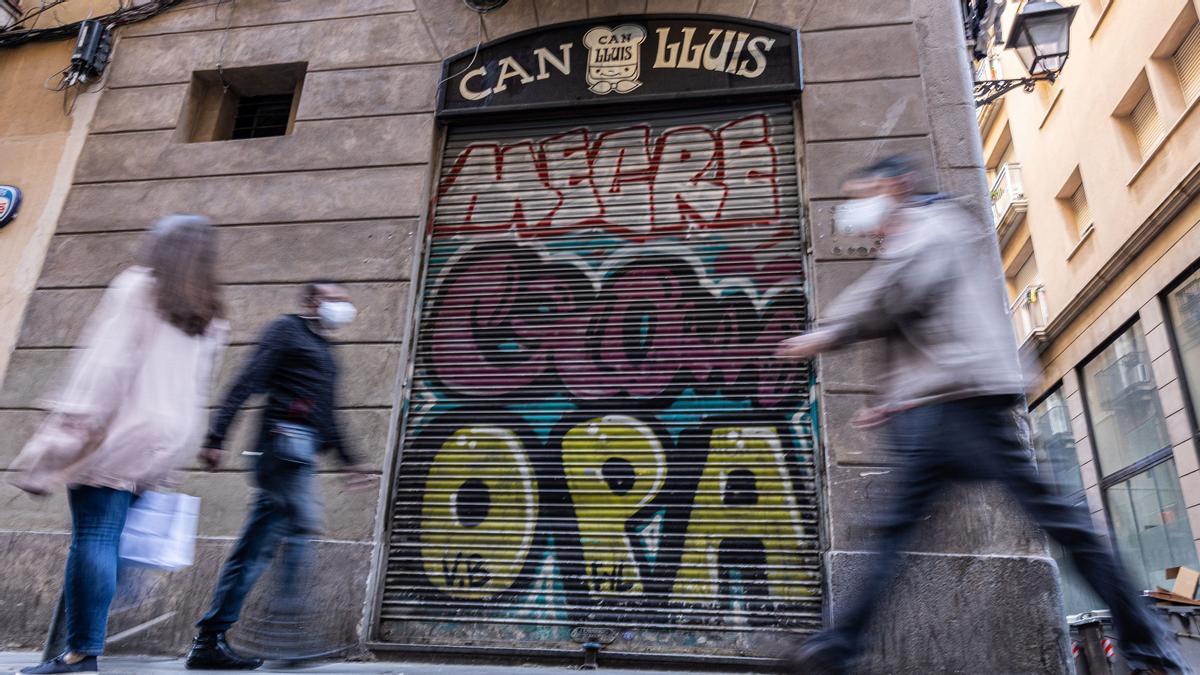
[
  {"x": 262, "y": 116},
  {"x": 1147, "y": 125},
  {"x": 1187, "y": 64}
]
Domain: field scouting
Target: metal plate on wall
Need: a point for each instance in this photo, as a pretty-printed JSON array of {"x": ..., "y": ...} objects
[{"x": 596, "y": 434}]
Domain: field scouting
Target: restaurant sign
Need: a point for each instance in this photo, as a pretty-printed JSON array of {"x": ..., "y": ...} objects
[{"x": 621, "y": 59}]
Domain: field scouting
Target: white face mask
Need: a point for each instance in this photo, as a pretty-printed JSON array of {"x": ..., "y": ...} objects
[
  {"x": 862, "y": 217},
  {"x": 335, "y": 315}
]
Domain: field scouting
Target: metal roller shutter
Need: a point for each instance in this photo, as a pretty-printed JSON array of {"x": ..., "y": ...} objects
[{"x": 596, "y": 434}]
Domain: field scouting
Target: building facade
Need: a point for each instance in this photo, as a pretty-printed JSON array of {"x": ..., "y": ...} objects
[
  {"x": 575, "y": 231},
  {"x": 1093, "y": 185},
  {"x": 38, "y": 148}
]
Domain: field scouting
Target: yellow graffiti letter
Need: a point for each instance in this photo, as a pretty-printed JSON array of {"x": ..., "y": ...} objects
[
  {"x": 744, "y": 494},
  {"x": 614, "y": 466},
  {"x": 478, "y": 513}
]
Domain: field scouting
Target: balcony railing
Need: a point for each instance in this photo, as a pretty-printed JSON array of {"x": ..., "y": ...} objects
[
  {"x": 1008, "y": 201},
  {"x": 1030, "y": 314}
]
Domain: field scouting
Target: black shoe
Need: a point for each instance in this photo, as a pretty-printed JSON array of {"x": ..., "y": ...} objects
[
  {"x": 817, "y": 657},
  {"x": 58, "y": 665},
  {"x": 210, "y": 651},
  {"x": 1156, "y": 659}
]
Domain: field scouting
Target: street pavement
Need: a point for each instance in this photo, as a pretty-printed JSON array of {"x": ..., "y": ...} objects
[{"x": 11, "y": 662}]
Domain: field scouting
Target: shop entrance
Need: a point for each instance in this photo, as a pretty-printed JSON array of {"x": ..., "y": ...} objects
[{"x": 597, "y": 443}]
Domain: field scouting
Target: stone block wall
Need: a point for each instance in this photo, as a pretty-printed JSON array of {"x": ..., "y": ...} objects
[{"x": 344, "y": 197}]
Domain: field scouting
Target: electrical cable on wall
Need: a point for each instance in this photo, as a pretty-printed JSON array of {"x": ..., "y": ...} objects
[
  {"x": 482, "y": 7},
  {"x": 125, "y": 14},
  {"x": 93, "y": 46},
  {"x": 474, "y": 56}
]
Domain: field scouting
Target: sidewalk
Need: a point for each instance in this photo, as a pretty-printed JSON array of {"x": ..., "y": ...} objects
[{"x": 131, "y": 665}]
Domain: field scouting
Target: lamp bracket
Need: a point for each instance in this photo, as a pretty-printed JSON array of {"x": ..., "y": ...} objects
[{"x": 987, "y": 91}]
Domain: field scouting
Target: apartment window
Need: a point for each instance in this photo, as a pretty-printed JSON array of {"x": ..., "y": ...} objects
[
  {"x": 1054, "y": 444},
  {"x": 1081, "y": 212},
  {"x": 243, "y": 103},
  {"x": 1136, "y": 465},
  {"x": 1150, "y": 522},
  {"x": 1184, "y": 303},
  {"x": 1147, "y": 125},
  {"x": 1187, "y": 64},
  {"x": 1058, "y": 463}
]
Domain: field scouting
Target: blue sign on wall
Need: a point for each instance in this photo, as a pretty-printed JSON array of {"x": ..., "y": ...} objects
[{"x": 10, "y": 203}]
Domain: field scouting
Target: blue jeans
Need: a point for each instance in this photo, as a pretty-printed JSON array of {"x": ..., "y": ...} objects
[
  {"x": 978, "y": 439},
  {"x": 285, "y": 513},
  {"x": 97, "y": 518}
]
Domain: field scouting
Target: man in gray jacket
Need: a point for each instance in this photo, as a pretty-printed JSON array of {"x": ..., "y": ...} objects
[{"x": 952, "y": 392}]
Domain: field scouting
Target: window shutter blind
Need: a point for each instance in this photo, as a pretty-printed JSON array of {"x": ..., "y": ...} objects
[
  {"x": 1147, "y": 126},
  {"x": 1187, "y": 63},
  {"x": 1081, "y": 209}
]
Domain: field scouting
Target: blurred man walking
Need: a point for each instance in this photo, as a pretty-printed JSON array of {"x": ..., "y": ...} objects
[
  {"x": 294, "y": 366},
  {"x": 953, "y": 388}
]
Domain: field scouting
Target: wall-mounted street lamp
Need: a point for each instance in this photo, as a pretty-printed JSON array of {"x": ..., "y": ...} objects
[{"x": 1041, "y": 36}]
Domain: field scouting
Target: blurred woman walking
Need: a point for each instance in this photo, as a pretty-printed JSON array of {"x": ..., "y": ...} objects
[{"x": 131, "y": 414}]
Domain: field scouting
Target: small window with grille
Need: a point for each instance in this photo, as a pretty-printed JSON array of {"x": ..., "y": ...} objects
[
  {"x": 261, "y": 116},
  {"x": 243, "y": 103},
  {"x": 1187, "y": 63}
]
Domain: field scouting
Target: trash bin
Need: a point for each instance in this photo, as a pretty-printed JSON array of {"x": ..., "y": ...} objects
[
  {"x": 1094, "y": 647},
  {"x": 1184, "y": 621}
]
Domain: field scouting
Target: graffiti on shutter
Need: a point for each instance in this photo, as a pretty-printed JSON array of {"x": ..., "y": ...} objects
[{"x": 597, "y": 434}]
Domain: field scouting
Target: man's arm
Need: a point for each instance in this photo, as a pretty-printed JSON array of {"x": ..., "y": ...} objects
[
  {"x": 331, "y": 432},
  {"x": 252, "y": 380},
  {"x": 895, "y": 290}
]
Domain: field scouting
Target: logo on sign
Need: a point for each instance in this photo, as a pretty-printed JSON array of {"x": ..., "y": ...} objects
[
  {"x": 614, "y": 58},
  {"x": 10, "y": 203}
]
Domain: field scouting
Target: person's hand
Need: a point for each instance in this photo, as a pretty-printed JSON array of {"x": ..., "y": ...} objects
[
  {"x": 358, "y": 477},
  {"x": 803, "y": 346},
  {"x": 211, "y": 457}
]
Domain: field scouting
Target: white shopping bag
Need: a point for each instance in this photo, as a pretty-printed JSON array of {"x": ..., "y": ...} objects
[{"x": 160, "y": 530}]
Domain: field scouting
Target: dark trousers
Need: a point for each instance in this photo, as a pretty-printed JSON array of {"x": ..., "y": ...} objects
[
  {"x": 97, "y": 519},
  {"x": 285, "y": 514},
  {"x": 978, "y": 439}
]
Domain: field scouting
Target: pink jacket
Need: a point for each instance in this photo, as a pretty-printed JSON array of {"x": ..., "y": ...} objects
[{"x": 134, "y": 408}]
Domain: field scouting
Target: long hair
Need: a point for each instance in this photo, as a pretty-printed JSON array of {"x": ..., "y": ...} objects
[{"x": 181, "y": 252}]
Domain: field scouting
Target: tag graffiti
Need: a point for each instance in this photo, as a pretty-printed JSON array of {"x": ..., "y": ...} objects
[
  {"x": 597, "y": 432},
  {"x": 687, "y": 178},
  {"x": 476, "y": 542}
]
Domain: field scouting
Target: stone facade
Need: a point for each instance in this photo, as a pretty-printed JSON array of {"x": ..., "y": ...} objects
[{"x": 344, "y": 196}]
